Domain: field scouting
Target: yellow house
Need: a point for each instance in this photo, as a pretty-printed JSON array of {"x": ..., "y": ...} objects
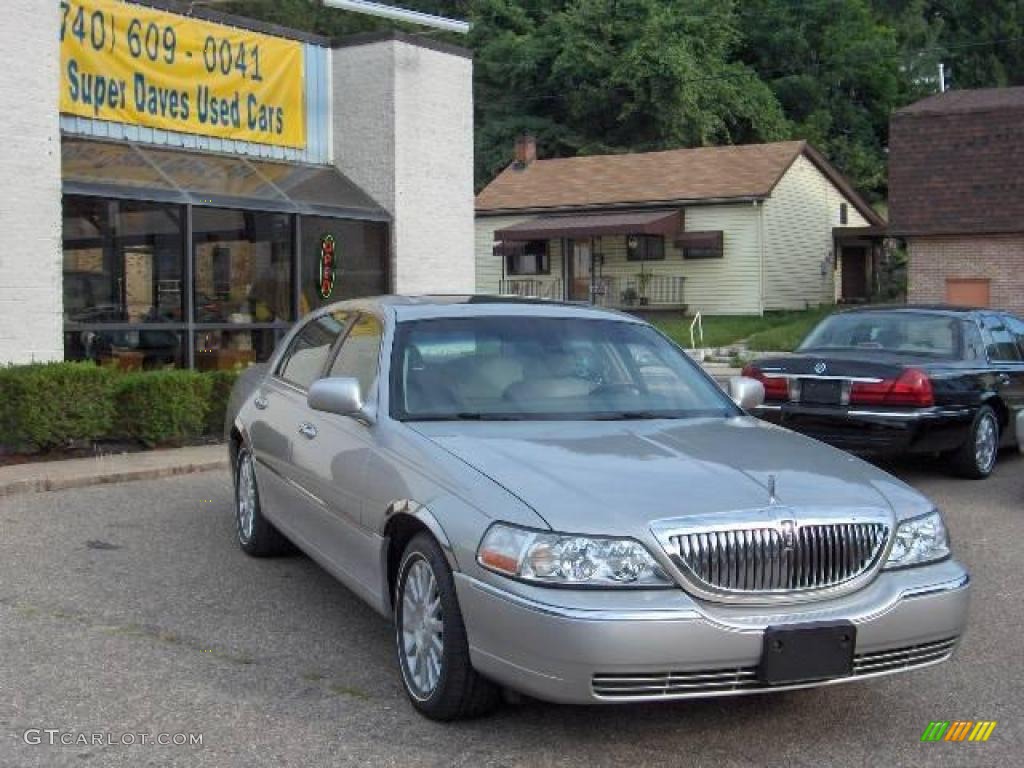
[{"x": 720, "y": 230}]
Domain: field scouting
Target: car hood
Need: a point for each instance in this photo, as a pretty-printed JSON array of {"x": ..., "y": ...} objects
[{"x": 617, "y": 477}]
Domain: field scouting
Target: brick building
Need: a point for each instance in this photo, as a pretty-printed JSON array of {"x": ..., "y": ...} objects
[{"x": 956, "y": 194}]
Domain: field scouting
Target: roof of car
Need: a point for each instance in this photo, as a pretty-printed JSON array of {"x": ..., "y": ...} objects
[
  {"x": 947, "y": 309},
  {"x": 464, "y": 305}
]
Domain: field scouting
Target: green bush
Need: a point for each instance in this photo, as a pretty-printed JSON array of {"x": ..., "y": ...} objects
[
  {"x": 48, "y": 405},
  {"x": 163, "y": 406},
  {"x": 221, "y": 383}
]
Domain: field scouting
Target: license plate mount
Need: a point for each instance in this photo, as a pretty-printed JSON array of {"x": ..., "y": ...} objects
[
  {"x": 800, "y": 653},
  {"x": 822, "y": 392}
]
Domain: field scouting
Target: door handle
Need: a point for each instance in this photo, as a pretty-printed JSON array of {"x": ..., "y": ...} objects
[
  {"x": 260, "y": 402},
  {"x": 307, "y": 430}
]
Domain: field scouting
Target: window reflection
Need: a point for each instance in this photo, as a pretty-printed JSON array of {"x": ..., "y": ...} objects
[
  {"x": 233, "y": 350},
  {"x": 122, "y": 261},
  {"x": 135, "y": 350},
  {"x": 243, "y": 266}
]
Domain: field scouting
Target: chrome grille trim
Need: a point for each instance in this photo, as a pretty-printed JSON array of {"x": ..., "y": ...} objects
[
  {"x": 778, "y": 559},
  {"x": 718, "y": 682}
]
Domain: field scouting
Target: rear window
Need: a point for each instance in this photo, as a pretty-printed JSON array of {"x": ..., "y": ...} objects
[{"x": 895, "y": 332}]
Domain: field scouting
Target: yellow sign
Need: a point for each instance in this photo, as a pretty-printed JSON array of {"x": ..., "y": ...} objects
[{"x": 132, "y": 64}]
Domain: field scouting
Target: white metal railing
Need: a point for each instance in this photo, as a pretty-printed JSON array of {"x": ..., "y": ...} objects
[
  {"x": 634, "y": 291},
  {"x": 531, "y": 288},
  {"x": 698, "y": 325}
]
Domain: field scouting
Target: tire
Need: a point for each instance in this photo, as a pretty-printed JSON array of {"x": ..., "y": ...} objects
[
  {"x": 441, "y": 684},
  {"x": 972, "y": 460},
  {"x": 256, "y": 535}
]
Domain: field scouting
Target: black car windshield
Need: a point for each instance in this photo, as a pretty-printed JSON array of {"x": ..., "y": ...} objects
[
  {"x": 905, "y": 333},
  {"x": 515, "y": 367}
]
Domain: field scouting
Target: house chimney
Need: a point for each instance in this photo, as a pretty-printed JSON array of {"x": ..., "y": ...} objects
[{"x": 526, "y": 150}]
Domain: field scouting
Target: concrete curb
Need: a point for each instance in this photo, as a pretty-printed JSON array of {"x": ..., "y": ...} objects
[{"x": 82, "y": 473}]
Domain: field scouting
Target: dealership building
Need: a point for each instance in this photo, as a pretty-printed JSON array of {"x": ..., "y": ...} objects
[{"x": 179, "y": 187}]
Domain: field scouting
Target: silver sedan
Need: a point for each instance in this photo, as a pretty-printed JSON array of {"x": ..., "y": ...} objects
[{"x": 555, "y": 500}]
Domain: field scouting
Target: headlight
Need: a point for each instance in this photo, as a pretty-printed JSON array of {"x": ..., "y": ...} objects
[
  {"x": 559, "y": 559},
  {"x": 919, "y": 540}
]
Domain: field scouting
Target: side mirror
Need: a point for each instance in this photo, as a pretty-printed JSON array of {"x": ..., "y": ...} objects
[
  {"x": 747, "y": 393},
  {"x": 338, "y": 395}
]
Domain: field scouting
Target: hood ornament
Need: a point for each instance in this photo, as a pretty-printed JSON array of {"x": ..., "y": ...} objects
[{"x": 771, "y": 490}]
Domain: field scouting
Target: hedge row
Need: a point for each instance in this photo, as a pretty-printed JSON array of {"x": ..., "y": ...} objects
[{"x": 52, "y": 405}]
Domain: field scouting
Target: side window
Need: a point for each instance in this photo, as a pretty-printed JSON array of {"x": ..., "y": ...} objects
[
  {"x": 1016, "y": 326},
  {"x": 974, "y": 347},
  {"x": 359, "y": 356},
  {"x": 1000, "y": 342},
  {"x": 307, "y": 355}
]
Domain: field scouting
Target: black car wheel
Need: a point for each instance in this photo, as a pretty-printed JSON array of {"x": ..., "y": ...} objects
[
  {"x": 976, "y": 458},
  {"x": 256, "y": 535},
  {"x": 430, "y": 638}
]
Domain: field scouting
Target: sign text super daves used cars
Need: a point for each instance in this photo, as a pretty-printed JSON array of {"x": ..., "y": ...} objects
[{"x": 131, "y": 64}]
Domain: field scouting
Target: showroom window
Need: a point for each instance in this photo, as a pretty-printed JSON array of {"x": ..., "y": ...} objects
[
  {"x": 341, "y": 259},
  {"x": 123, "y": 268}
]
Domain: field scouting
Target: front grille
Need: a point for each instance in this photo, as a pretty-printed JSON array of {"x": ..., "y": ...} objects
[
  {"x": 643, "y": 685},
  {"x": 779, "y": 559}
]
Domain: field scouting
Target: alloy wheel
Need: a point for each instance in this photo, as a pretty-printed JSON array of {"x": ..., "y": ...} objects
[
  {"x": 421, "y": 629},
  {"x": 246, "y": 499},
  {"x": 986, "y": 438}
]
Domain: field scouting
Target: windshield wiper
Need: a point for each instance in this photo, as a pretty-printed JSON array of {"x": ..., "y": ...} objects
[
  {"x": 634, "y": 416},
  {"x": 467, "y": 416}
]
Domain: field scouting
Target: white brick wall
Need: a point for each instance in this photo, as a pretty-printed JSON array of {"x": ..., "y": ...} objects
[
  {"x": 403, "y": 130},
  {"x": 30, "y": 201}
]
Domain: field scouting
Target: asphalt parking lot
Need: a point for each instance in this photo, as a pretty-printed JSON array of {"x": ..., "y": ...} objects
[{"x": 128, "y": 609}]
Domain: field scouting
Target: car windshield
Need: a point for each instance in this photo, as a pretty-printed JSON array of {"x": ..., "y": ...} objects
[
  {"x": 903, "y": 333},
  {"x": 544, "y": 368}
]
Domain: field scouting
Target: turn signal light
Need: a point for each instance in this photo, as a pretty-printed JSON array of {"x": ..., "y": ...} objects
[
  {"x": 913, "y": 387},
  {"x": 775, "y": 387}
]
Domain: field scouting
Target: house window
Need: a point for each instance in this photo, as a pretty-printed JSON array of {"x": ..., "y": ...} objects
[
  {"x": 844, "y": 213},
  {"x": 529, "y": 258},
  {"x": 701, "y": 245},
  {"x": 645, "y": 247}
]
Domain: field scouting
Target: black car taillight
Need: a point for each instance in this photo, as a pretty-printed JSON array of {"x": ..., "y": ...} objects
[{"x": 913, "y": 387}]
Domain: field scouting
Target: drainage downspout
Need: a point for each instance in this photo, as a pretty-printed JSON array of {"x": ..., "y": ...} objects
[{"x": 760, "y": 236}]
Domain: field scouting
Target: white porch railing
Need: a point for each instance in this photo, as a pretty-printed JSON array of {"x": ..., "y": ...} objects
[
  {"x": 634, "y": 291},
  {"x": 532, "y": 288}
]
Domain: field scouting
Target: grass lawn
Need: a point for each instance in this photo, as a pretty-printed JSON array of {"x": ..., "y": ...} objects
[{"x": 776, "y": 331}]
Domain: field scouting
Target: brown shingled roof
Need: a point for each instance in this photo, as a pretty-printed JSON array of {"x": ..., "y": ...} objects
[
  {"x": 956, "y": 164},
  {"x": 976, "y": 100},
  {"x": 748, "y": 171},
  {"x": 677, "y": 174}
]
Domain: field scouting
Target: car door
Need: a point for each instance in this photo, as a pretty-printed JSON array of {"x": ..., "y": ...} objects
[
  {"x": 1007, "y": 362},
  {"x": 1016, "y": 370},
  {"x": 332, "y": 461},
  {"x": 280, "y": 423}
]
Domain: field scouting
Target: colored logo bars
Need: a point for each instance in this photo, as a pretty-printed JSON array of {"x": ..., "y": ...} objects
[{"x": 958, "y": 730}]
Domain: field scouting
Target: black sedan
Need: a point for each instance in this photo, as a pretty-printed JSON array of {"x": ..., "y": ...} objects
[{"x": 895, "y": 380}]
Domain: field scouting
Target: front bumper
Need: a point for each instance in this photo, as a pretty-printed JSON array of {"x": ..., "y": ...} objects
[
  {"x": 564, "y": 646},
  {"x": 875, "y": 429}
]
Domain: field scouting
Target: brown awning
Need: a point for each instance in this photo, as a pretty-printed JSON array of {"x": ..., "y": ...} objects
[
  {"x": 710, "y": 239},
  {"x": 596, "y": 224},
  {"x": 859, "y": 233}
]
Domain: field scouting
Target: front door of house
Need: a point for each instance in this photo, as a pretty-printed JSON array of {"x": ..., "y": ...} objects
[
  {"x": 855, "y": 273},
  {"x": 580, "y": 270}
]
